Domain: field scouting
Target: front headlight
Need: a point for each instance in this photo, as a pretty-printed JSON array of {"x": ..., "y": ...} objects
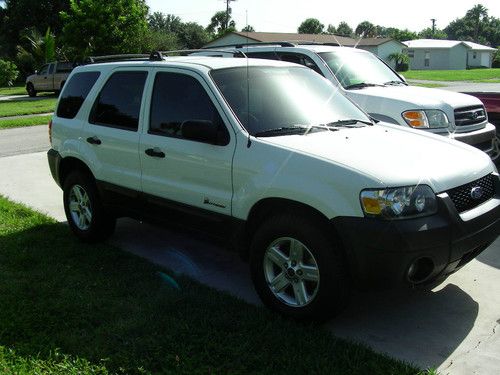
[
  {"x": 399, "y": 203},
  {"x": 429, "y": 118}
]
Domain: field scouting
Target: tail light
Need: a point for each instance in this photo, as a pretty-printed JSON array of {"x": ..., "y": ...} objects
[{"x": 50, "y": 131}]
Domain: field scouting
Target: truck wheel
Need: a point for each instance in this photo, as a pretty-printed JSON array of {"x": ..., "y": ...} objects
[
  {"x": 86, "y": 216},
  {"x": 31, "y": 90},
  {"x": 297, "y": 269}
]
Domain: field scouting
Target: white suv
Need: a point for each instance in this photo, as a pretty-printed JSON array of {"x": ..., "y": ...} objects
[
  {"x": 384, "y": 94},
  {"x": 314, "y": 194}
]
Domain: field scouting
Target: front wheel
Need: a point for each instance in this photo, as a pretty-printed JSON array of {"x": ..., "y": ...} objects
[
  {"x": 297, "y": 269},
  {"x": 31, "y": 90},
  {"x": 85, "y": 213}
]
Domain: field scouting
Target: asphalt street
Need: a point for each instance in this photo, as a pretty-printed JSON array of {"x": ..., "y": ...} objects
[{"x": 455, "y": 327}]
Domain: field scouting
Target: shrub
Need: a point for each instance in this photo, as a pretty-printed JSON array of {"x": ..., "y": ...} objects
[
  {"x": 496, "y": 59},
  {"x": 8, "y": 73}
]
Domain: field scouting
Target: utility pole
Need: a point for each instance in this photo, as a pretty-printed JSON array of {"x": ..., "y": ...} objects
[
  {"x": 228, "y": 13},
  {"x": 433, "y": 20}
]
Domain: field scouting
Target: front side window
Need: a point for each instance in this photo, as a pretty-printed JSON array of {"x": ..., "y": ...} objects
[
  {"x": 298, "y": 58},
  {"x": 353, "y": 68},
  {"x": 119, "y": 103},
  {"x": 43, "y": 70},
  {"x": 75, "y": 92},
  {"x": 178, "y": 98},
  {"x": 266, "y": 98}
]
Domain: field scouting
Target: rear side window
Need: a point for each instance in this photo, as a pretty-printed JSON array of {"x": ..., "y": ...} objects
[
  {"x": 75, "y": 92},
  {"x": 119, "y": 102}
]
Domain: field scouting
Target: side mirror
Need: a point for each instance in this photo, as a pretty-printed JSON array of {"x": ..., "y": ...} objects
[{"x": 200, "y": 130}]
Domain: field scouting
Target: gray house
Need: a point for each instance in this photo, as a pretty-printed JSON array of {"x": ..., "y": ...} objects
[
  {"x": 435, "y": 54},
  {"x": 382, "y": 47}
]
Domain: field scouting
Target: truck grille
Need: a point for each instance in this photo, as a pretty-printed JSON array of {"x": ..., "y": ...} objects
[
  {"x": 462, "y": 196},
  {"x": 470, "y": 115}
]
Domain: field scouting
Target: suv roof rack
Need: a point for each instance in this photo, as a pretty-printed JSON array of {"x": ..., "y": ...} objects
[
  {"x": 241, "y": 45},
  {"x": 154, "y": 55}
]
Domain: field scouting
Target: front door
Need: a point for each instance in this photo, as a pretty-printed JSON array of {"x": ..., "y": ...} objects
[{"x": 177, "y": 170}]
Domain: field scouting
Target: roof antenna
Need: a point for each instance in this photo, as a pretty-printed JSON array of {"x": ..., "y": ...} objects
[{"x": 249, "y": 140}]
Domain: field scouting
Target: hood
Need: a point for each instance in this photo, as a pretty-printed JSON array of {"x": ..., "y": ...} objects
[
  {"x": 394, "y": 156},
  {"x": 416, "y": 97}
]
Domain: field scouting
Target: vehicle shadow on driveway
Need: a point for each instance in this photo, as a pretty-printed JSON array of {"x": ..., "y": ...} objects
[
  {"x": 491, "y": 256},
  {"x": 423, "y": 327}
]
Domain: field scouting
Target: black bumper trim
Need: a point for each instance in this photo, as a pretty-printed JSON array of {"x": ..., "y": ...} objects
[
  {"x": 54, "y": 162},
  {"x": 382, "y": 251}
]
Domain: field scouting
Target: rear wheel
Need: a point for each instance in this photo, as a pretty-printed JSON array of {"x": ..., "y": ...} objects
[
  {"x": 297, "y": 269},
  {"x": 86, "y": 216},
  {"x": 31, "y": 90}
]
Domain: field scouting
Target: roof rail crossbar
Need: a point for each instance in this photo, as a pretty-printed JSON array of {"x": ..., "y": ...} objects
[
  {"x": 110, "y": 58},
  {"x": 158, "y": 55},
  {"x": 241, "y": 45}
]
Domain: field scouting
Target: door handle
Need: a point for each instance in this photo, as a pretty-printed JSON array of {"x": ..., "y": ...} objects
[
  {"x": 94, "y": 140},
  {"x": 155, "y": 152}
]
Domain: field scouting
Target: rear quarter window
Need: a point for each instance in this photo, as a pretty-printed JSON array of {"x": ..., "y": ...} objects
[{"x": 75, "y": 93}]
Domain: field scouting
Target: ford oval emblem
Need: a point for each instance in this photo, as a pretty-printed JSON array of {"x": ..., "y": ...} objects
[{"x": 476, "y": 192}]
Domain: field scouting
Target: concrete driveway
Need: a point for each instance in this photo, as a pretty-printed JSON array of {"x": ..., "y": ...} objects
[{"x": 454, "y": 328}]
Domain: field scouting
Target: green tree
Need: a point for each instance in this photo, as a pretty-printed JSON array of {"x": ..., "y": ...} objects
[
  {"x": 401, "y": 61},
  {"x": 477, "y": 15},
  {"x": 366, "y": 29},
  {"x": 402, "y": 35},
  {"x": 344, "y": 29},
  {"x": 331, "y": 30},
  {"x": 427, "y": 33},
  {"x": 311, "y": 26},
  {"x": 105, "y": 27},
  {"x": 248, "y": 28},
  {"x": 19, "y": 15},
  {"x": 8, "y": 73},
  {"x": 164, "y": 23},
  {"x": 35, "y": 50},
  {"x": 192, "y": 35},
  {"x": 221, "y": 23}
]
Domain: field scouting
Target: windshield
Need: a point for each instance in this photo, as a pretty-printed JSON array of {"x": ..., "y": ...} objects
[
  {"x": 267, "y": 99},
  {"x": 353, "y": 69}
]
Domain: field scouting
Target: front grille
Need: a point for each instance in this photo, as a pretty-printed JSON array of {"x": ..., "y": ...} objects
[
  {"x": 462, "y": 195},
  {"x": 470, "y": 115}
]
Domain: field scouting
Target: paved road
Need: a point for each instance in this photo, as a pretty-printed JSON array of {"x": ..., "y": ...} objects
[
  {"x": 461, "y": 86},
  {"x": 25, "y": 97},
  {"x": 24, "y": 140},
  {"x": 455, "y": 327}
]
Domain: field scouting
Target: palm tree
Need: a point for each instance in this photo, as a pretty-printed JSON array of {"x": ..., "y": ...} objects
[{"x": 401, "y": 59}]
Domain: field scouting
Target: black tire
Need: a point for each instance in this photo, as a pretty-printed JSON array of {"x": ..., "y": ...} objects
[
  {"x": 31, "y": 90},
  {"x": 101, "y": 224},
  {"x": 332, "y": 290}
]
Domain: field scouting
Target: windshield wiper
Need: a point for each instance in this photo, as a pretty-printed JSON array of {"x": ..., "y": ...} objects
[
  {"x": 289, "y": 130},
  {"x": 362, "y": 85},
  {"x": 348, "y": 123},
  {"x": 396, "y": 83}
]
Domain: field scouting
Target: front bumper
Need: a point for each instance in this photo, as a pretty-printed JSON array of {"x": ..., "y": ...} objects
[
  {"x": 483, "y": 139},
  {"x": 383, "y": 251}
]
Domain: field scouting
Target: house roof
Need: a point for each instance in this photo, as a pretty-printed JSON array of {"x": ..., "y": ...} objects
[
  {"x": 313, "y": 38},
  {"x": 439, "y": 43}
]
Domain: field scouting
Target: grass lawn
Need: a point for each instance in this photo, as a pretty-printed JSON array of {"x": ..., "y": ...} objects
[
  {"x": 474, "y": 75},
  {"x": 68, "y": 307},
  {"x": 430, "y": 85},
  {"x": 17, "y": 89},
  {"x": 27, "y": 107},
  {"x": 24, "y": 121}
]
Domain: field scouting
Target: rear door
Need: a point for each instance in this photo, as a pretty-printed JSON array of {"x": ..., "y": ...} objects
[
  {"x": 185, "y": 172},
  {"x": 111, "y": 135}
]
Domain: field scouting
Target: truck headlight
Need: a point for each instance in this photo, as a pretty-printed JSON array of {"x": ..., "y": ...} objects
[
  {"x": 399, "y": 203},
  {"x": 429, "y": 118}
]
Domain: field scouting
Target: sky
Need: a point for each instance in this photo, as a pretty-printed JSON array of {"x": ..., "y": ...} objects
[{"x": 286, "y": 16}]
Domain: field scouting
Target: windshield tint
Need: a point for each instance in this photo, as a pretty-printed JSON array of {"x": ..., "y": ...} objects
[
  {"x": 266, "y": 98},
  {"x": 354, "y": 68}
]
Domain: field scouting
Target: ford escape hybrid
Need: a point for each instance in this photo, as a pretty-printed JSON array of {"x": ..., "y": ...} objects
[{"x": 316, "y": 196}]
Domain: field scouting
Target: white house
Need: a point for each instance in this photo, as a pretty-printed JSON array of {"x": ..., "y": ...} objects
[
  {"x": 382, "y": 47},
  {"x": 436, "y": 54}
]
